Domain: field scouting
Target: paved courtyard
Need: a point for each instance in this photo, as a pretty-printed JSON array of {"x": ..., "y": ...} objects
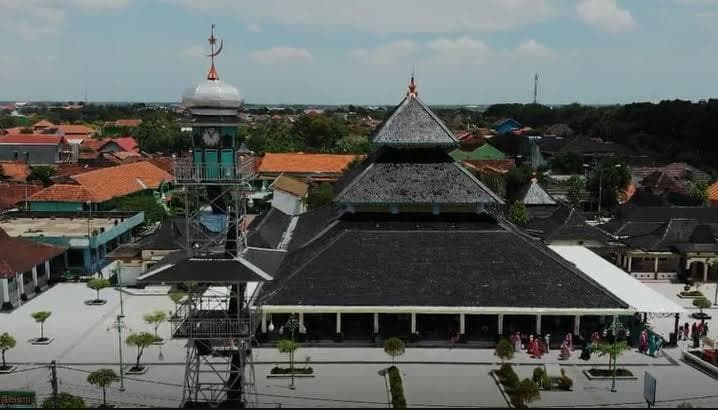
[{"x": 346, "y": 377}]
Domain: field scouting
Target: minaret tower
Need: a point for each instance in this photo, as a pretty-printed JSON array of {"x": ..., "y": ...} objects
[{"x": 217, "y": 318}]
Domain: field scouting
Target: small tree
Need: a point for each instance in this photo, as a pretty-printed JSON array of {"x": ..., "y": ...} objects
[
  {"x": 140, "y": 341},
  {"x": 7, "y": 342},
  {"x": 97, "y": 284},
  {"x": 613, "y": 350},
  {"x": 526, "y": 392},
  {"x": 394, "y": 347},
  {"x": 176, "y": 297},
  {"x": 575, "y": 185},
  {"x": 64, "y": 401},
  {"x": 103, "y": 378},
  {"x": 702, "y": 303},
  {"x": 504, "y": 350},
  {"x": 155, "y": 319},
  {"x": 288, "y": 347},
  {"x": 40, "y": 317},
  {"x": 519, "y": 214}
]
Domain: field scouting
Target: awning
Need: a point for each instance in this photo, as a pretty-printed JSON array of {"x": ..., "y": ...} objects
[{"x": 637, "y": 294}]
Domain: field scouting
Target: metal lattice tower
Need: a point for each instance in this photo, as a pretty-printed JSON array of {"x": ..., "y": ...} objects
[{"x": 217, "y": 319}]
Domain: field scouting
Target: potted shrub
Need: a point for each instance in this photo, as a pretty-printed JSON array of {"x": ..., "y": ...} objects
[
  {"x": 701, "y": 303},
  {"x": 64, "y": 401},
  {"x": 504, "y": 350},
  {"x": 394, "y": 347},
  {"x": 97, "y": 284},
  {"x": 7, "y": 342},
  {"x": 524, "y": 393},
  {"x": 140, "y": 341},
  {"x": 40, "y": 317},
  {"x": 103, "y": 378}
]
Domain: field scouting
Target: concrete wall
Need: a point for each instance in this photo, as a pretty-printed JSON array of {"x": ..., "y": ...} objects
[{"x": 39, "y": 154}]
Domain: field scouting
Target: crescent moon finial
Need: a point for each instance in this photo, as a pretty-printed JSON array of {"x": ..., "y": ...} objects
[{"x": 212, "y": 75}]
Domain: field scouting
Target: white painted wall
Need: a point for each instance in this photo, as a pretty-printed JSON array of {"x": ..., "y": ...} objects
[{"x": 287, "y": 203}]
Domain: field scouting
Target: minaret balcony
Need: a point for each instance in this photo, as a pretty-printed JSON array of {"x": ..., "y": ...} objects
[{"x": 192, "y": 171}]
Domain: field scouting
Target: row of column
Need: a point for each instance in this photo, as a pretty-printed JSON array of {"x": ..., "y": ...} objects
[
  {"x": 20, "y": 278},
  {"x": 462, "y": 323}
]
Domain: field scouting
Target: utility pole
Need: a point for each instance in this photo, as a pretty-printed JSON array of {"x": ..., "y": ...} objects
[
  {"x": 53, "y": 382},
  {"x": 535, "y": 88}
]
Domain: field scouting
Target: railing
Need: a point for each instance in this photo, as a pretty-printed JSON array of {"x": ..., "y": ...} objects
[
  {"x": 187, "y": 171},
  {"x": 211, "y": 328}
]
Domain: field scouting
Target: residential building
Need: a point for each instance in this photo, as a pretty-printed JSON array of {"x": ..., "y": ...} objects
[
  {"x": 662, "y": 243},
  {"x": 12, "y": 195},
  {"x": 567, "y": 226},
  {"x": 506, "y": 125},
  {"x": 485, "y": 151},
  {"x": 36, "y": 149},
  {"x": 304, "y": 166},
  {"x": 538, "y": 202},
  {"x": 99, "y": 186},
  {"x": 87, "y": 236},
  {"x": 24, "y": 269},
  {"x": 289, "y": 195}
]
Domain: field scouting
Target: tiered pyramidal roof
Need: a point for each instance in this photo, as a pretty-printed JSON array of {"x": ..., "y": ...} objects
[{"x": 411, "y": 165}]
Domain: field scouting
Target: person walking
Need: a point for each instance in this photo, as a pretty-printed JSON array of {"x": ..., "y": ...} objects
[
  {"x": 705, "y": 329},
  {"x": 685, "y": 331}
]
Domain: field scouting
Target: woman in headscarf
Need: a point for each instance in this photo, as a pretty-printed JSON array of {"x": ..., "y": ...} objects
[
  {"x": 643, "y": 341},
  {"x": 652, "y": 345}
]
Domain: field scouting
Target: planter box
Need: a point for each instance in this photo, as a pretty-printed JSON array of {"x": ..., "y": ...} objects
[
  {"x": 689, "y": 297},
  {"x": 95, "y": 302},
  {"x": 137, "y": 371},
  {"x": 695, "y": 359},
  {"x": 47, "y": 341},
  {"x": 9, "y": 370},
  {"x": 289, "y": 376},
  {"x": 161, "y": 342},
  {"x": 590, "y": 377},
  {"x": 502, "y": 389}
]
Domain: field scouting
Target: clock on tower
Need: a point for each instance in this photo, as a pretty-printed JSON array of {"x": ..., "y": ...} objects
[{"x": 210, "y": 137}]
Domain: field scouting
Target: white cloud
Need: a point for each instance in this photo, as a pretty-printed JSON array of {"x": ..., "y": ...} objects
[
  {"x": 605, "y": 15},
  {"x": 254, "y": 28},
  {"x": 382, "y": 16},
  {"x": 532, "y": 48},
  {"x": 281, "y": 55},
  {"x": 194, "y": 52},
  {"x": 35, "y": 18},
  {"x": 391, "y": 53},
  {"x": 459, "y": 46}
]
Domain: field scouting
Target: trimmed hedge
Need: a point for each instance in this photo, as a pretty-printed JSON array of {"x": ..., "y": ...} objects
[
  {"x": 397, "y": 389},
  {"x": 286, "y": 370},
  {"x": 508, "y": 377},
  {"x": 538, "y": 375}
]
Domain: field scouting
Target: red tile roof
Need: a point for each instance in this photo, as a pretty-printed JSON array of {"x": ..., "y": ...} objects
[
  {"x": 43, "y": 124},
  {"x": 11, "y": 194},
  {"x": 500, "y": 166},
  {"x": 290, "y": 185},
  {"x": 298, "y": 162},
  {"x": 127, "y": 143},
  {"x": 107, "y": 183},
  {"x": 713, "y": 193},
  {"x": 44, "y": 139},
  {"x": 21, "y": 255},
  {"x": 166, "y": 163},
  {"x": 64, "y": 170},
  {"x": 63, "y": 193},
  {"x": 72, "y": 129},
  {"x": 127, "y": 123},
  {"x": 94, "y": 144},
  {"x": 16, "y": 171}
]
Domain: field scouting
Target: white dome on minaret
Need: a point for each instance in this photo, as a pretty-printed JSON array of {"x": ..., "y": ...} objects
[{"x": 212, "y": 93}]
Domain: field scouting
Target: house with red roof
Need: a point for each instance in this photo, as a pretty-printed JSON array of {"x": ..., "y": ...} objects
[
  {"x": 13, "y": 194},
  {"x": 36, "y": 149},
  {"x": 24, "y": 269},
  {"x": 98, "y": 186},
  {"x": 305, "y": 167}
]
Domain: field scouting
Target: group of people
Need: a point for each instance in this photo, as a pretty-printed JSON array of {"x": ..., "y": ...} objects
[
  {"x": 649, "y": 344},
  {"x": 694, "y": 332},
  {"x": 537, "y": 346}
]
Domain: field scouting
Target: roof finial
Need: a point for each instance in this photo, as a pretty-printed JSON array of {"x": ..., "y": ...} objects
[
  {"x": 212, "y": 75},
  {"x": 412, "y": 86}
]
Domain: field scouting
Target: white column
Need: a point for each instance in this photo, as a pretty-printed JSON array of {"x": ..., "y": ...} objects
[
  {"x": 5, "y": 290},
  {"x": 538, "y": 324},
  {"x": 21, "y": 283},
  {"x": 655, "y": 265},
  {"x": 47, "y": 269},
  {"x": 462, "y": 324},
  {"x": 34, "y": 276},
  {"x": 376, "y": 323},
  {"x": 501, "y": 324},
  {"x": 577, "y": 324},
  {"x": 705, "y": 271},
  {"x": 339, "y": 322},
  {"x": 628, "y": 266},
  {"x": 302, "y": 329},
  {"x": 413, "y": 323},
  {"x": 264, "y": 322}
]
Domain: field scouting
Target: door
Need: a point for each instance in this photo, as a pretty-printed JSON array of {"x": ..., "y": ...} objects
[{"x": 211, "y": 162}]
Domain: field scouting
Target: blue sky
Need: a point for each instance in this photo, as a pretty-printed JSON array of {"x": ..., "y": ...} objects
[{"x": 362, "y": 52}]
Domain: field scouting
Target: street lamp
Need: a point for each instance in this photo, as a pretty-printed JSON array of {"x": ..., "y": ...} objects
[{"x": 292, "y": 324}]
